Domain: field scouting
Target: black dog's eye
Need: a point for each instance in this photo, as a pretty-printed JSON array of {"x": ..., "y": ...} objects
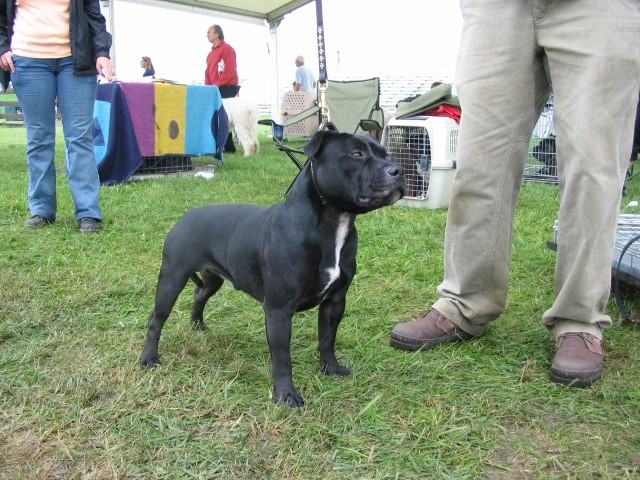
[{"x": 357, "y": 154}]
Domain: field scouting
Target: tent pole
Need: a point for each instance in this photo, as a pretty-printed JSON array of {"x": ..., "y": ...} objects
[
  {"x": 107, "y": 10},
  {"x": 112, "y": 29},
  {"x": 273, "y": 67},
  {"x": 322, "y": 60}
]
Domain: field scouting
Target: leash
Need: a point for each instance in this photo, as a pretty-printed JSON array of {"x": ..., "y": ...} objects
[
  {"x": 313, "y": 180},
  {"x": 322, "y": 64},
  {"x": 325, "y": 114},
  {"x": 315, "y": 184}
]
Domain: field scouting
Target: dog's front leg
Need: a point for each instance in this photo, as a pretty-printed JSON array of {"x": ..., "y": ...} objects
[
  {"x": 279, "y": 338},
  {"x": 329, "y": 316}
]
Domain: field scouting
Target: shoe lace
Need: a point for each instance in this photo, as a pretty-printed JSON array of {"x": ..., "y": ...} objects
[{"x": 592, "y": 343}]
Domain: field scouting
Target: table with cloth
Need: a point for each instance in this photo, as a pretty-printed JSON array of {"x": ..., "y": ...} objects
[{"x": 136, "y": 120}]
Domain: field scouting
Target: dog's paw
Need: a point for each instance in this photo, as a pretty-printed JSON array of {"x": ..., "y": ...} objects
[
  {"x": 150, "y": 361},
  {"x": 335, "y": 369},
  {"x": 198, "y": 324},
  {"x": 291, "y": 398}
]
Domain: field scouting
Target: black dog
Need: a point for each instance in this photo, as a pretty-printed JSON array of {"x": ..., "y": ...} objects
[
  {"x": 545, "y": 152},
  {"x": 290, "y": 257}
]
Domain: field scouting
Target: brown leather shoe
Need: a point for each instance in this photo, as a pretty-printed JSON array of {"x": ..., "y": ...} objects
[
  {"x": 578, "y": 361},
  {"x": 427, "y": 332}
]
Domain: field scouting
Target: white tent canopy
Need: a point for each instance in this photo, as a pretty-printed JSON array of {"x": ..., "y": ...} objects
[
  {"x": 268, "y": 11},
  {"x": 261, "y": 12}
]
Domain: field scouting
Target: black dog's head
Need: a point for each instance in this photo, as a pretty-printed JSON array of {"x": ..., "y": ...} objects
[
  {"x": 352, "y": 173},
  {"x": 545, "y": 151}
]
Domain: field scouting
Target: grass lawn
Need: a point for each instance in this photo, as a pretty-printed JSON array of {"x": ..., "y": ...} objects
[{"x": 74, "y": 403}]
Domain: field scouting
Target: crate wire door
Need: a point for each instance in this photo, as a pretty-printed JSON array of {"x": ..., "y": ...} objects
[
  {"x": 411, "y": 149},
  {"x": 541, "y": 164}
]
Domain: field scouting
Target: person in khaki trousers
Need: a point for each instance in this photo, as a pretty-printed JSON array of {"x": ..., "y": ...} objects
[{"x": 512, "y": 54}]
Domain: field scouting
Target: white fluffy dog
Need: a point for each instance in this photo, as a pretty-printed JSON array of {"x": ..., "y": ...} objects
[{"x": 243, "y": 119}]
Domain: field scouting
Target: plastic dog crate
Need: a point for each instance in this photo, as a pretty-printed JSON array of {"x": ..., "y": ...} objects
[
  {"x": 426, "y": 147},
  {"x": 292, "y": 104}
]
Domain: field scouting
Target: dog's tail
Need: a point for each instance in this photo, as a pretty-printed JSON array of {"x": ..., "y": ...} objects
[{"x": 196, "y": 279}]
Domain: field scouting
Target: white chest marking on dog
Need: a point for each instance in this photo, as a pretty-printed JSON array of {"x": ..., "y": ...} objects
[{"x": 341, "y": 235}]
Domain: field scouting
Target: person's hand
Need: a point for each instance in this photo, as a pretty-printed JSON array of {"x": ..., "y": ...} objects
[
  {"x": 6, "y": 63},
  {"x": 105, "y": 67}
]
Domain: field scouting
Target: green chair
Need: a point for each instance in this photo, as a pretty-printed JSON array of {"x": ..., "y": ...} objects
[{"x": 354, "y": 106}]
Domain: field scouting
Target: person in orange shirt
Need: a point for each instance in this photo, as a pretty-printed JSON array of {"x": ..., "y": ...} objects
[
  {"x": 56, "y": 50},
  {"x": 222, "y": 71}
]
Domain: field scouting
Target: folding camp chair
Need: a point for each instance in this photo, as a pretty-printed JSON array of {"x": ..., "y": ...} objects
[
  {"x": 353, "y": 106},
  {"x": 349, "y": 107}
]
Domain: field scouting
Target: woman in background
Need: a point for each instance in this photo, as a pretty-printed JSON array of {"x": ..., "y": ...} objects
[{"x": 149, "y": 71}]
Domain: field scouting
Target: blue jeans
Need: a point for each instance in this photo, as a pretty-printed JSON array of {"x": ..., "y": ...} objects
[{"x": 37, "y": 82}]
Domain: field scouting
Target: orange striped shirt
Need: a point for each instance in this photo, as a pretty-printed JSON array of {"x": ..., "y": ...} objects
[{"x": 41, "y": 29}]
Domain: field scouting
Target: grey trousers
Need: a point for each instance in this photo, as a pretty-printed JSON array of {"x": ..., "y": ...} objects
[{"x": 512, "y": 53}]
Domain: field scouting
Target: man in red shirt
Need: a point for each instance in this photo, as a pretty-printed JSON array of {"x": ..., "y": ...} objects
[{"x": 222, "y": 71}]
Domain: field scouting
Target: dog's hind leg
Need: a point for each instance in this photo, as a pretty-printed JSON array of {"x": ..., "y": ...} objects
[
  {"x": 211, "y": 283},
  {"x": 329, "y": 315},
  {"x": 169, "y": 287},
  {"x": 245, "y": 141}
]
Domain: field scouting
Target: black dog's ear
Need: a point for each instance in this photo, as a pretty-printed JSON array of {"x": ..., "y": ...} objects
[{"x": 313, "y": 145}]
